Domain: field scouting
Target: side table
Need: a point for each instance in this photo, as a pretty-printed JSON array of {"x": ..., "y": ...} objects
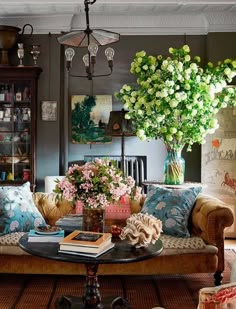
[{"x": 185, "y": 185}]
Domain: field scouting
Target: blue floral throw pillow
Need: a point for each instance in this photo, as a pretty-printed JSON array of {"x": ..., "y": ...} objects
[
  {"x": 172, "y": 207},
  {"x": 17, "y": 210}
]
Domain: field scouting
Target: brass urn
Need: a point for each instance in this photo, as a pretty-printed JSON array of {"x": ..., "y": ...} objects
[{"x": 9, "y": 36}]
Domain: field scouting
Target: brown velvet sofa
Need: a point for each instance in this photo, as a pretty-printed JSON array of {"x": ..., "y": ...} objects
[{"x": 207, "y": 223}]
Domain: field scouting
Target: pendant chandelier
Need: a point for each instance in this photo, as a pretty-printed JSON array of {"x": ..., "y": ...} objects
[{"x": 90, "y": 39}]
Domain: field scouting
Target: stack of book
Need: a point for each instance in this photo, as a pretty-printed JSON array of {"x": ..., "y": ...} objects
[
  {"x": 70, "y": 222},
  {"x": 91, "y": 244},
  {"x": 35, "y": 236}
]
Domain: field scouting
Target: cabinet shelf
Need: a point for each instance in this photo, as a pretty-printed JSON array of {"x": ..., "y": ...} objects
[
  {"x": 19, "y": 163},
  {"x": 5, "y": 102},
  {"x": 27, "y": 102},
  {"x": 18, "y": 108},
  {"x": 10, "y": 143},
  {"x": 15, "y": 122},
  {"x": 15, "y": 182}
]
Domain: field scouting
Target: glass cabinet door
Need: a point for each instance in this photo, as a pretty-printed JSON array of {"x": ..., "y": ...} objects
[{"x": 17, "y": 129}]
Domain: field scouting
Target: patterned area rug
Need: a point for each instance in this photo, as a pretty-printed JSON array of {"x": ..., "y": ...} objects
[{"x": 143, "y": 292}]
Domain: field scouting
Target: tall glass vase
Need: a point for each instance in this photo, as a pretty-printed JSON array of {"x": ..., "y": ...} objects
[
  {"x": 93, "y": 219},
  {"x": 174, "y": 168}
]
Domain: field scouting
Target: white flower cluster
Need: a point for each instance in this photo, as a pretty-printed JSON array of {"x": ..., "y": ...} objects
[{"x": 176, "y": 99}]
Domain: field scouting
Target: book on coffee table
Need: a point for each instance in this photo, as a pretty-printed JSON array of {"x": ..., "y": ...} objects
[
  {"x": 70, "y": 222},
  {"x": 101, "y": 251},
  {"x": 33, "y": 236},
  {"x": 85, "y": 241}
]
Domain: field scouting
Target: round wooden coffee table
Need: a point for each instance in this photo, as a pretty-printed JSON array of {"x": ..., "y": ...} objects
[{"x": 121, "y": 253}]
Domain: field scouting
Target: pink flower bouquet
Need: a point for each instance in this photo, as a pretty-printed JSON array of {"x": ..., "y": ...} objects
[{"x": 96, "y": 184}]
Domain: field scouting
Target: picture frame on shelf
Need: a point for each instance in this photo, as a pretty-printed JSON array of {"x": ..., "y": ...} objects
[{"x": 49, "y": 110}]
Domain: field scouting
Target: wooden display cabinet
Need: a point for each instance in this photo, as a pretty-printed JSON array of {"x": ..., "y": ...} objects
[{"x": 18, "y": 98}]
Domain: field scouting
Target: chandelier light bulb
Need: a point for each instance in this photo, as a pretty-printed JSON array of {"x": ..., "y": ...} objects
[
  {"x": 86, "y": 60},
  {"x": 93, "y": 49},
  {"x": 90, "y": 39},
  {"x": 109, "y": 52},
  {"x": 69, "y": 53}
]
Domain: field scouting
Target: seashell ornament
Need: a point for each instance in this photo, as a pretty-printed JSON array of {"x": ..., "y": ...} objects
[{"x": 141, "y": 230}]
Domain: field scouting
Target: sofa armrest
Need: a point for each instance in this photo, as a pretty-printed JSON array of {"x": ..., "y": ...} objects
[{"x": 210, "y": 216}]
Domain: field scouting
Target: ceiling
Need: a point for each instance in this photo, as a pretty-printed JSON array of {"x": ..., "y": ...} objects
[{"x": 133, "y": 17}]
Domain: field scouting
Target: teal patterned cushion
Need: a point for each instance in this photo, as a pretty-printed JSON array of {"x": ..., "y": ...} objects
[
  {"x": 18, "y": 212},
  {"x": 172, "y": 207}
]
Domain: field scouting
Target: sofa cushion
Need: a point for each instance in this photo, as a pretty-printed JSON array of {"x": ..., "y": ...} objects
[
  {"x": 9, "y": 244},
  {"x": 172, "y": 207},
  {"x": 18, "y": 212}
]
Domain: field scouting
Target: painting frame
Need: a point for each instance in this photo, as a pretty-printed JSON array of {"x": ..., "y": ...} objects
[
  {"x": 48, "y": 110},
  {"x": 89, "y": 118}
]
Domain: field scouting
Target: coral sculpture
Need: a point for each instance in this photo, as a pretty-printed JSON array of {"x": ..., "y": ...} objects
[{"x": 141, "y": 230}]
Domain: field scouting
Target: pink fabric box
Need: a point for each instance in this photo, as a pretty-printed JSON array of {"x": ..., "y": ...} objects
[
  {"x": 114, "y": 211},
  {"x": 118, "y": 211},
  {"x": 79, "y": 208}
]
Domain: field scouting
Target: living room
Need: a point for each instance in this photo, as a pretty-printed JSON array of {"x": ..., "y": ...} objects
[
  {"x": 54, "y": 145},
  {"x": 208, "y": 30}
]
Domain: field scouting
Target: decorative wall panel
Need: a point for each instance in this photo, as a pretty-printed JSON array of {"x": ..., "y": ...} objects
[{"x": 219, "y": 162}]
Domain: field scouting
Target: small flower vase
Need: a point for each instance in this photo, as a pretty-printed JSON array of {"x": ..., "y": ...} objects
[
  {"x": 93, "y": 219},
  {"x": 174, "y": 168}
]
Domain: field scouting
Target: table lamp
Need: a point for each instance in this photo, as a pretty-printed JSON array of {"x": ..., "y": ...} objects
[{"x": 119, "y": 126}]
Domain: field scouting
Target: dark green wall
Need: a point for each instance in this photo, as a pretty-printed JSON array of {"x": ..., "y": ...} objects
[{"x": 54, "y": 148}]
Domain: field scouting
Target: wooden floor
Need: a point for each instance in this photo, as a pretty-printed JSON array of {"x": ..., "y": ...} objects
[
  {"x": 165, "y": 291},
  {"x": 230, "y": 244}
]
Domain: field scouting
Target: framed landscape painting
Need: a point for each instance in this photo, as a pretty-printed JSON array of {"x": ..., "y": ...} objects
[
  {"x": 90, "y": 116},
  {"x": 219, "y": 162}
]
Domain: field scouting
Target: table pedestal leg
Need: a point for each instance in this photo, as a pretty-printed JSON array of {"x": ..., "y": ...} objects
[{"x": 91, "y": 298}]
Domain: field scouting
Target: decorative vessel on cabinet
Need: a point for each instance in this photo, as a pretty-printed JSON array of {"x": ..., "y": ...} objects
[{"x": 18, "y": 108}]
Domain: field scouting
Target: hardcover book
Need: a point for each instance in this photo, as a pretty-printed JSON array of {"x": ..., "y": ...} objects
[
  {"x": 34, "y": 237},
  {"x": 87, "y": 252},
  {"x": 86, "y": 239},
  {"x": 70, "y": 219},
  {"x": 70, "y": 222}
]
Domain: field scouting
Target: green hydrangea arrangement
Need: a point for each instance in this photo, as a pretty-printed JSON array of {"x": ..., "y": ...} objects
[{"x": 175, "y": 98}]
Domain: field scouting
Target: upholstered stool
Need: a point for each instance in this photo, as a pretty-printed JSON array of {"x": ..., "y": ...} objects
[{"x": 218, "y": 297}]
